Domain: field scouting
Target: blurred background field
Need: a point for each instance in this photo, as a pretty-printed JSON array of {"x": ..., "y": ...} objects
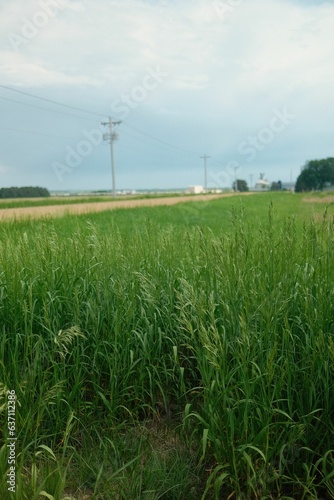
[{"x": 213, "y": 214}]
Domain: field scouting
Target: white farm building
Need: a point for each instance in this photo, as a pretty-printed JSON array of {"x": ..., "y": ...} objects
[
  {"x": 262, "y": 185},
  {"x": 195, "y": 189}
]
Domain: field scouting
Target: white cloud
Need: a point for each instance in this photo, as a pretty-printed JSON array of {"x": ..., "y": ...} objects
[
  {"x": 20, "y": 71},
  {"x": 114, "y": 41},
  {"x": 194, "y": 82},
  {"x": 225, "y": 74}
]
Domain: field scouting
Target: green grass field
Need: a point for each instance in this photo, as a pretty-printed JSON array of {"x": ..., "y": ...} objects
[{"x": 181, "y": 352}]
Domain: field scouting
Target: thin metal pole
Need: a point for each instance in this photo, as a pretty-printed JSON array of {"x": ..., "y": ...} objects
[
  {"x": 112, "y": 158},
  {"x": 112, "y": 137},
  {"x": 235, "y": 178},
  {"x": 205, "y": 158}
]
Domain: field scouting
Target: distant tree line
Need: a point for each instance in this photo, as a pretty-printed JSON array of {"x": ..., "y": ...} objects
[
  {"x": 315, "y": 175},
  {"x": 241, "y": 186},
  {"x": 276, "y": 186},
  {"x": 24, "y": 192}
]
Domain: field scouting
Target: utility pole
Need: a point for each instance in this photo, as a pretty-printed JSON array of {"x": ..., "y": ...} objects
[
  {"x": 111, "y": 137},
  {"x": 235, "y": 168},
  {"x": 205, "y": 158}
]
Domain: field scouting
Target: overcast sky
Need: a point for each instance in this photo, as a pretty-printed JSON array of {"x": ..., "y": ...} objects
[{"x": 248, "y": 82}]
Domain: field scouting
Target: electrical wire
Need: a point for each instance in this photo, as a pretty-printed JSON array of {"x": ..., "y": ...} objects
[
  {"x": 45, "y": 109},
  {"x": 160, "y": 141},
  {"x": 163, "y": 144},
  {"x": 51, "y": 101},
  {"x": 166, "y": 144},
  {"x": 35, "y": 133}
]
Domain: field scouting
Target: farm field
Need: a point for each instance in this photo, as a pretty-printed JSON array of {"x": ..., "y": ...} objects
[
  {"x": 59, "y": 207},
  {"x": 71, "y": 200},
  {"x": 171, "y": 352}
]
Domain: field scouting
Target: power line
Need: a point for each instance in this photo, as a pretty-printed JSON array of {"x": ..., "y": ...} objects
[
  {"x": 159, "y": 154},
  {"x": 112, "y": 137},
  {"x": 235, "y": 168},
  {"x": 51, "y": 101},
  {"x": 167, "y": 144},
  {"x": 144, "y": 141},
  {"x": 45, "y": 109},
  {"x": 35, "y": 133},
  {"x": 164, "y": 143},
  {"x": 205, "y": 158}
]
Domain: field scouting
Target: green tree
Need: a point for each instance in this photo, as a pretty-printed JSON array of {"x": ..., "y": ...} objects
[
  {"x": 241, "y": 186},
  {"x": 24, "y": 192},
  {"x": 315, "y": 175},
  {"x": 276, "y": 186}
]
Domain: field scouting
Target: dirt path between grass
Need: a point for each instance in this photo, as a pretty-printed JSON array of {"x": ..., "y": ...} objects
[{"x": 85, "y": 208}]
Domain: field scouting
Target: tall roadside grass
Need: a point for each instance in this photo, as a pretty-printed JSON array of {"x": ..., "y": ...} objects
[{"x": 228, "y": 337}]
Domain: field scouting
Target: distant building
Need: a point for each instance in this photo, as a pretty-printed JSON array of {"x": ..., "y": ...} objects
[
  {"x": 195, "y": 190},
  {"x": 215, "y": 190},
  {"x": 262, "y": 185}
]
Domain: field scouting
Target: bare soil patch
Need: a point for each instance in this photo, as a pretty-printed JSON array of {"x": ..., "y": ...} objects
[{"x": 82, "y": 208}]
